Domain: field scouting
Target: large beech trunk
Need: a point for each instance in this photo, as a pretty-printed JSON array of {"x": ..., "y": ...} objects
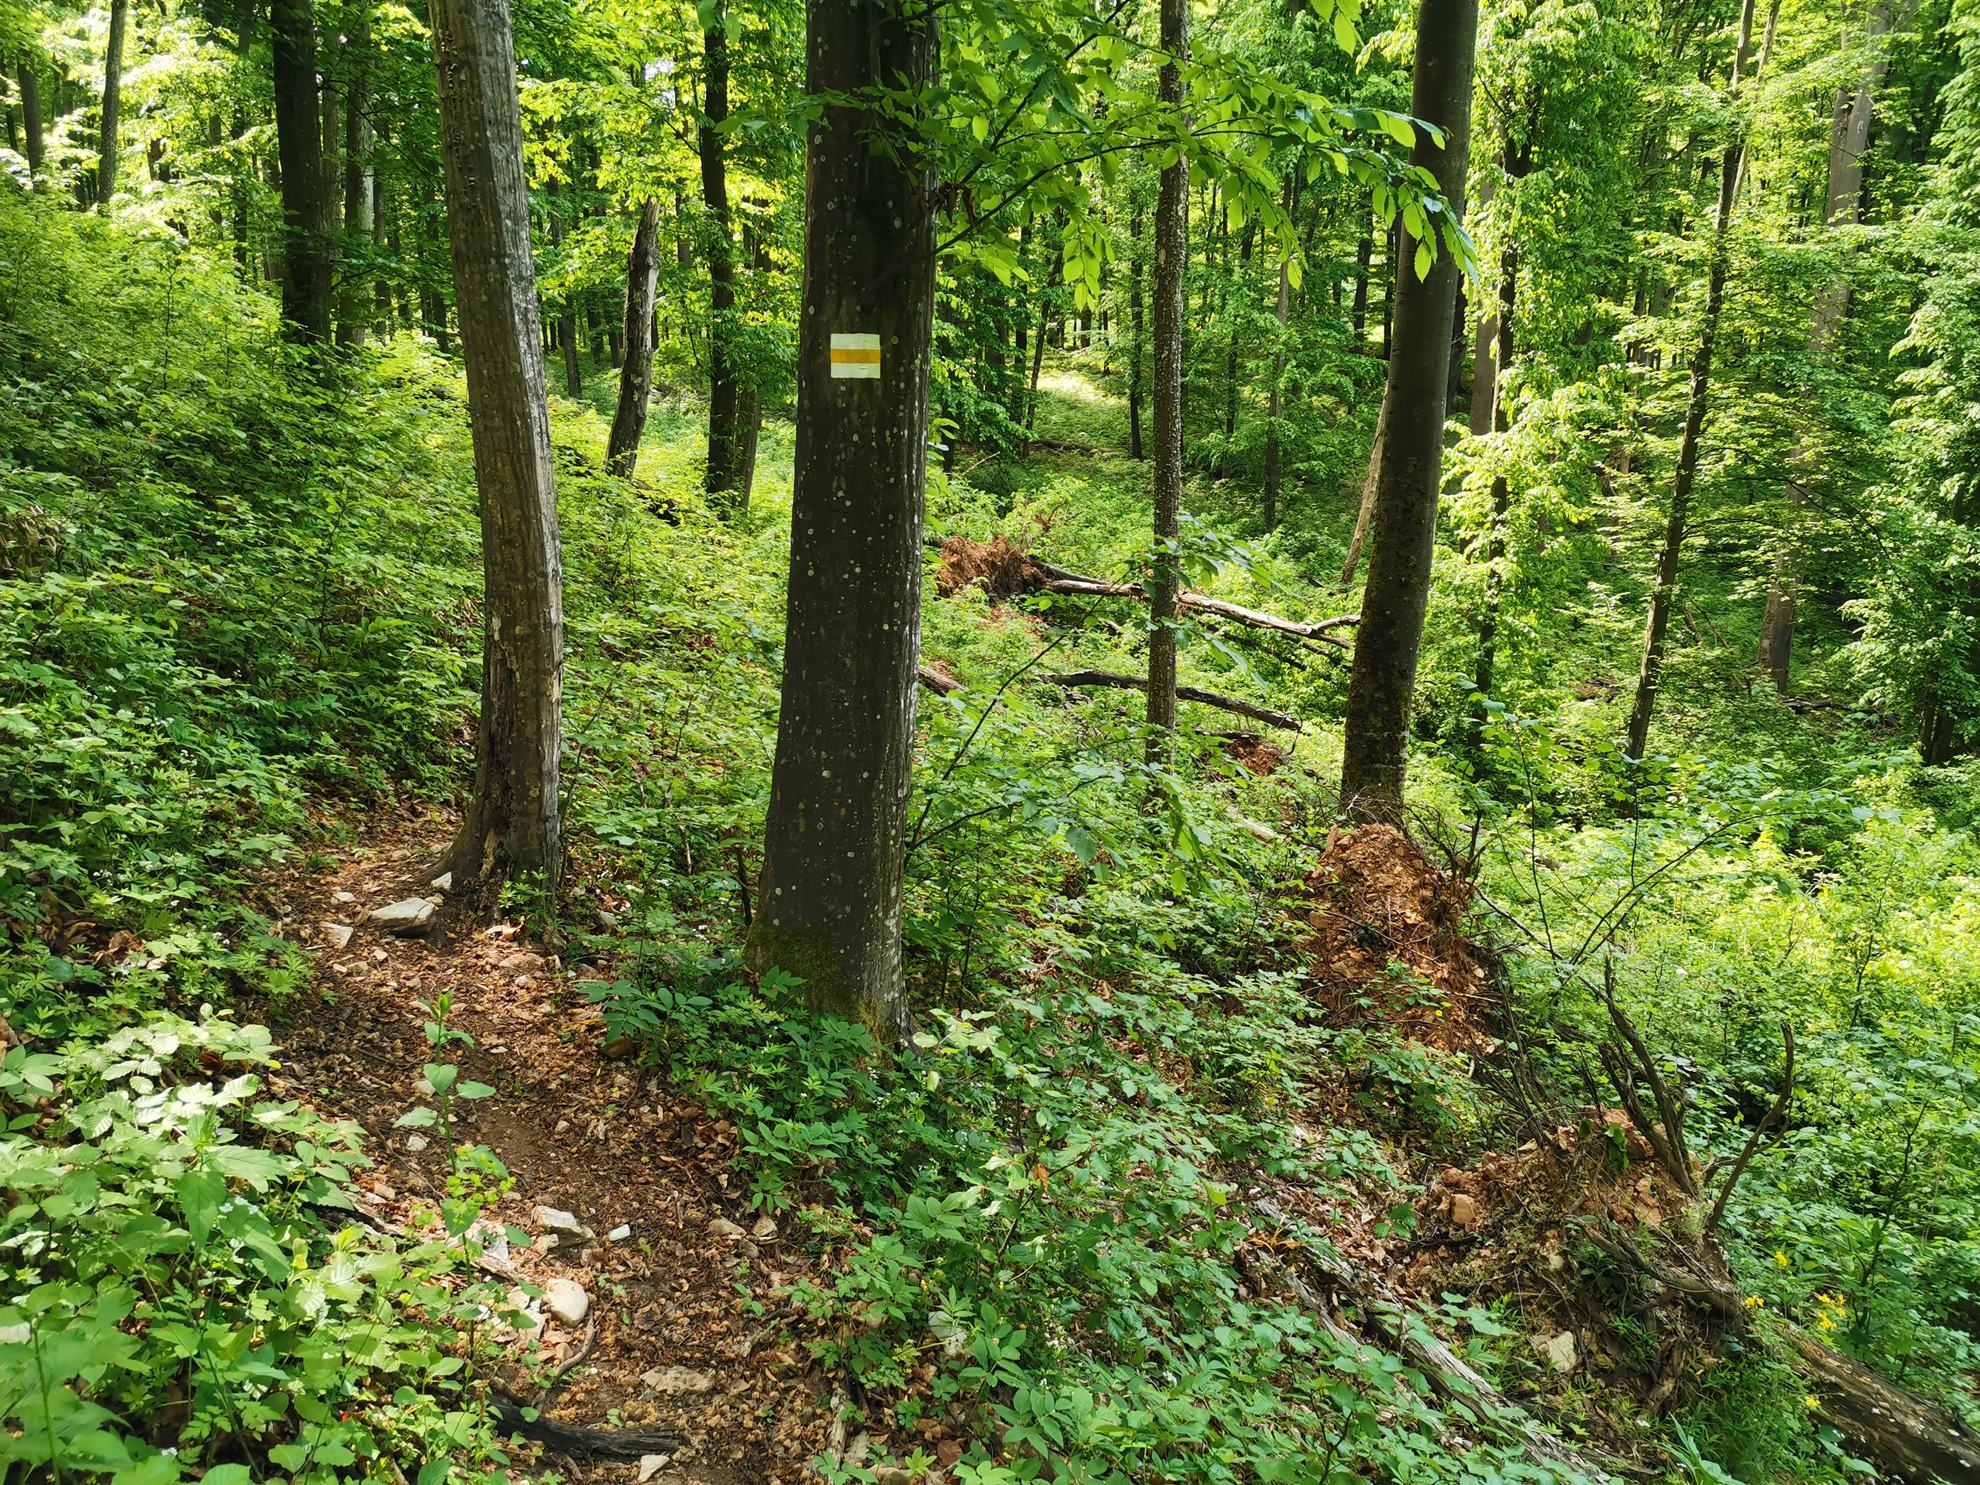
[
  {"x": 1171, "y": 259},
  {"x": 306, "y": 285},
  {"x": 113, "y": 87},
  {"x": 1403, "y": 526},
  {"x": 1650, "y": 672},
  {"x": 636, "y": 369},
  {"x": 835, "y": 840},
  {"x": 512, "y": 825}
]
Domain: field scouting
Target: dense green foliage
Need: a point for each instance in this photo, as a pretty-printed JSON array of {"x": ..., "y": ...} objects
[{"x": 239, "y": 599}]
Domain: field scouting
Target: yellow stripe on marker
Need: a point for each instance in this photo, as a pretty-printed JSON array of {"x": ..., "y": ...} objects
[{"x": 856, "y": 357}]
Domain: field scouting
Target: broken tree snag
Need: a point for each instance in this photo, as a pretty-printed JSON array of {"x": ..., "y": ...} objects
[
  {"x": 1107, "y": 679},
  {"x": 1902, "y": 1435},
  {"x": 1004, "y": 570}
]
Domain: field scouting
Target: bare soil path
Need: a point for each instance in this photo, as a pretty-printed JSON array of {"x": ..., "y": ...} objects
[{"x": 686, "y": 1326}]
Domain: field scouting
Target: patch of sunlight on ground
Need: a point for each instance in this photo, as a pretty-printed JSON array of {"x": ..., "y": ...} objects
[{"x": 1073, "y": 385}]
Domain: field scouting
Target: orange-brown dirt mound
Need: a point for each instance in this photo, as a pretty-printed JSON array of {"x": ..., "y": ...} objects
[
  {"x": 1378, "y": 902},
  {"x": 999, "y": 566}
]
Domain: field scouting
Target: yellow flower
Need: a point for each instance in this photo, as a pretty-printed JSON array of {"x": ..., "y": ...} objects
[
  {"x": 1754, "y": 1301},
  {"x": 1826, "y": 1323},
  {"x": 1780, "y": 1257},
  {"x": 1811, "y": 1400}
]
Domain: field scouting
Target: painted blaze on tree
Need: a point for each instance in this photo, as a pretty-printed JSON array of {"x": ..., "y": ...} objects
[{"x": 835, "y": 841}]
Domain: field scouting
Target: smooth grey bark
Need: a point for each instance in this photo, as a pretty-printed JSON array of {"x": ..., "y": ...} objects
[
  {"x": 358, "y": 307},
  {"x": 512, "y": 825},
  {"x": 1403, "y": 527},
  {"x": 30, "y": 86},
  {"x": 306, "y": 262},
  {"x": 636, "y": 367},
  {"x": 829, "y": 904},
  {"x": 113, "y": 87},
  {"x": 1849, "y": 138},
  {"x": 1171, "y": 260},
  {"x": 1676, "y": 520}
]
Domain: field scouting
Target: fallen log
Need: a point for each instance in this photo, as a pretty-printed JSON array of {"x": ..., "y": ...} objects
[
  {"x": 1404, "y": 1330},
  {"x": 1901, "y": 1434},
  {"x": 1080, "y": 679},
  {"x": 938, "y": 681},
  {"x": 1010, "y": 570}
]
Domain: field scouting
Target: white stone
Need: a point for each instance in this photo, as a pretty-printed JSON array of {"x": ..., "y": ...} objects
[
  {"x": 620, "y": 1233},
  {"x": 416, "y": 1142},
  {"x": 444, "y": 882},
  {"x": 678, "y": 1379},
  {"x": 562, "y": 1226},
  {"x": 651, "y": 1465},
  {"x": 339, "y": 935},
  {"x": 408, "y": 917},
  {"x": 565, "y": 1301}
]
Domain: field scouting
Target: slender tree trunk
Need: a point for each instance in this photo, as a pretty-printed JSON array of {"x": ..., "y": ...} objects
[
  {"x": 1484, "y": 368},
  {"x": 306, "y": 263},
  {"x": 1365, "y": 509},
  {"x": 512, "y": 824},
  {"x": 30, "y": 85},
  {"x": 565, "y": 332},
  {"x": 1849, "y": 137},
  {"x": 359, "y": 307},
  {"x": 1364, "y": 253},
  {"x": 1484, "y": 674},
  {"x": 636, "y": 370},
  {"x": 1404, "y": 525},
  {"x": 1274, "y": 476},
  {"x": 1136, "y": 345},
  {"x": 113, "y": 87},
  {"x": 725, "y": 391},
  {"x": 835, "y": 839},
  {"x": 1671, "y": 553},
  {"x": 1171, "y": 259}
]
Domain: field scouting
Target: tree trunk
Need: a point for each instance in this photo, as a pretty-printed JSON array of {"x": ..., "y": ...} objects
[
  {"x": 30, "y": 84},
  {"x": 512, "y": 824},
  {"x": 1500, "y": 357},
  {"x": 1171, "y": 258},
  {"x": 1404, "y": 523},
  {"x": 1136, "y": 267},
  {"x": 1365, "y": 510},
  {"x": 566, "y": 328},
  {"x": 359, "y": 307},
  {"x": 835, "y": 839},
  {"x": 113, "y": 86},
  {"x": 1364, "y": 253},
  {"x": 1274, "y": 475},
  {"x": 1848, "y": 139},
  {"x": 306, "y": 283},
  {"x": 725, "y": 390},
  {"x": 636, "y": 370},
  {"x": 1484, "y": 366},
  {"x": 1650, "y": 672}
]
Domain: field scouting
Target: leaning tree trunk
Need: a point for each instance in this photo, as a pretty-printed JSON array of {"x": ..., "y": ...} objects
[
  {"x": 306, "y": 263},
  {"x": 30, "y": 85},
  {"x": 113, "y": 86},
  {"x": 1670, "y": 554},
  {"x": 1171, "y": 259},
  {"x": 512, "y": 825},
  {"x": 636, "y": 369},
  {"x": 1848, "y": 139},
  {"x": 1136, "y": 345},
  {"x": 835, "y": 840},
  {"x": 359, "y": 306},
  {"x": 1402, "y": 531},
  {"x": 725, "y": 390}
]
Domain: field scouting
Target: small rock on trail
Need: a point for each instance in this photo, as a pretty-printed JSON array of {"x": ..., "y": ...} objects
[{"x": 409, "y": 917}]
